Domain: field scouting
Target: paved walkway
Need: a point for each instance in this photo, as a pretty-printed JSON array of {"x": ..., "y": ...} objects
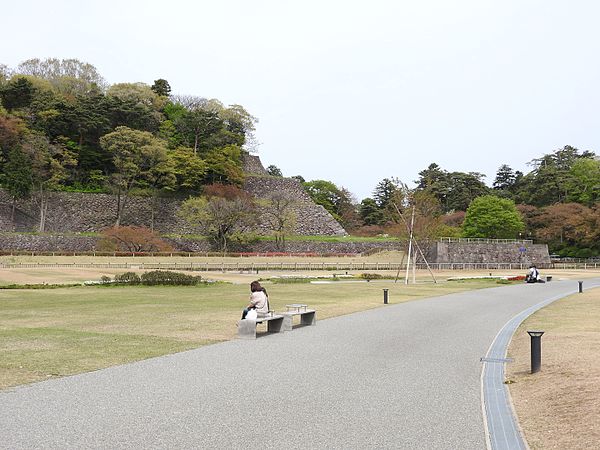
[{"x": 402, "y": 376}]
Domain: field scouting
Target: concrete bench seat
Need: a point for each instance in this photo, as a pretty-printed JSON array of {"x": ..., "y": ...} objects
[
  {"x": 247, "y": 327},
  {"x": 307, "y": 316}
]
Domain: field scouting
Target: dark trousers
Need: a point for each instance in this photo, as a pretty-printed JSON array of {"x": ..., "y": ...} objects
[{"x": 245, "y": 312}]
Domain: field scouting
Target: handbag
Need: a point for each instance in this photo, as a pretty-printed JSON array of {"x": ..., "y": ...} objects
[{"x": 252, "y": 315}]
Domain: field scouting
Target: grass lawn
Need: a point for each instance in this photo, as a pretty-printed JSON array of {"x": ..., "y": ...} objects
[
  {"x": 559, "y": 407},
  {"x": 58, "y": 332}
]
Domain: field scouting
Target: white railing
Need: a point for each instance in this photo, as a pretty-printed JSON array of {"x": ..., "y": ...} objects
[{"x": 486, "y": 240}]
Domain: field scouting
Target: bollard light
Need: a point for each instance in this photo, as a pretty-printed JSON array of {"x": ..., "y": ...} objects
[
  {"x": 580, "y": 286},
  {"x": 385, "y": 296},
  {"x": 536, "y": 350}
]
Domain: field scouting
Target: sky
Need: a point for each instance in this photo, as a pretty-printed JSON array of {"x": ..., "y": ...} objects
[{"x": 351, "y": 91}]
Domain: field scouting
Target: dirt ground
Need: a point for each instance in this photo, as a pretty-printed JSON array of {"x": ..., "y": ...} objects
[
  {"x": 75, "y": 275},
  {"x": 559, "y": 407}
]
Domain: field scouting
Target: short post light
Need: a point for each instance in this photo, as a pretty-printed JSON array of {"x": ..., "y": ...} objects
[
  {"x": 580, "y": 286},
  {"x": 536, "y": 350},
  {"x": 385, "y": 296}
]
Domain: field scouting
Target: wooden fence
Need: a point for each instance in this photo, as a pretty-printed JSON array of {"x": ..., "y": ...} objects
[{"x": 293, "y": 266}]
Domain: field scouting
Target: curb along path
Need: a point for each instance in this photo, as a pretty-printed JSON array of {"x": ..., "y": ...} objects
[{"x": 501, "y": 424}]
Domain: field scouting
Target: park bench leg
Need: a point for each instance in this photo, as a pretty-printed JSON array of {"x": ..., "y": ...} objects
[
  {"x": 287, "y": 322},
  {"x": 308, "y": 319},
  {"x": 274, "y": 326},
  {"x": 247, "y": 329}
]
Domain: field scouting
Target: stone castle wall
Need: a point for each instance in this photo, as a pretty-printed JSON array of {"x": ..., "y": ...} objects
[
  {"x": 78, "y": 243},
  {"x": 310, "y": 219},
  {"x": 77, "y": 212},
  {"x": 475, "y": 252},
  {"x": 70, "y": 212},
  {"x": 252, "y": 165}
]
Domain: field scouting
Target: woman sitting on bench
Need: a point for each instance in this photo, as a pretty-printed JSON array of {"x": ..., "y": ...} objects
[
  {"x": 259, "y": 300},
  {"x": 533, "y": 276}
]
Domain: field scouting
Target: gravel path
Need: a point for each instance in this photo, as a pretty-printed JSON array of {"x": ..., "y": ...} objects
[{"x": 402, "y": 376}]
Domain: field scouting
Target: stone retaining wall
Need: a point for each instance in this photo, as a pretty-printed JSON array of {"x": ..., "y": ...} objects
[
  {"x": 311, "y": 219},
  {"x": 75, "y": 243},
  {"x": 70, "y": 212},
  {"x": 472, "y": 252},
  {"x": 253, "y": 165},
  {"x": 78, "y": 212}
]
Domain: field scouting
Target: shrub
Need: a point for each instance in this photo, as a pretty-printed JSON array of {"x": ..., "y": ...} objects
[
  {"x": 132, "y": 239},
  {"x": 585, "y": 253},
  {"x": 105, "y": 279},
  {"x": 127, "y": 278},
  {"x": 39, "y": 286},
  {"x": 165, "y": 277},
  {"x": 291, "y": 280},
  {"x": 370, "y": 276},
  {"x": 516, "y": 278}
]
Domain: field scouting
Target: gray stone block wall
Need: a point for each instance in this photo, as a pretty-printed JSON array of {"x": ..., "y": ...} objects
[
  {"x": 311, "y": 219},
  {"x": 77, "y": 212},
  {"x": 70, "y": 212},
  {"x": 252, "y": 165},
  {"x": 47, "y": 243},
  {"x": 474, "y": 252},
  {"x": 77, "y": 243}
]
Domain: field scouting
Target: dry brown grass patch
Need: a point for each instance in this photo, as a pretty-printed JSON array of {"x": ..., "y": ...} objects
[{"x": 559, "y": 407}]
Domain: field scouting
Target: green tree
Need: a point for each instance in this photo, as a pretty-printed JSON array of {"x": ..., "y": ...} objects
[
  {"x": 130, "y": 150},
  {"x": 219, "y": 218},
  {"x": 385, "y": 192},
  {"x": 17, "y": 179},
  {"x": 434, "y": 180},
  {"x": 370, "y": 212},
  {"x": 224, "y": 165},
  {"x": 17, "y": 93},
  {"x": 492, "y": 217},
  {"x": 324, "y": 193},
  {"x": 69, "y": 77},
  {"x": 583, "y": 184},
  {"x": 463, "y": 188},
  {"x": 168, "y": 132},
  {"x": 132, "y": 114},
  {"x": 550, "y": 180},
  {"x": 299, "y": 178},
  {"x": 50, "y": 164},
  {"x": 157, "y": 172},
  {"x": 454, "y": 190},
  {"x": 139, "y": 93},
  {"x": 505, "y": 178},
  {"x": 274, "y": 171},
  {"x": 390, "y": 194},
  {"x": 161, "y": 87},
  {"x": 189, "y": 169},
  {"x": 197, "y": 125}
]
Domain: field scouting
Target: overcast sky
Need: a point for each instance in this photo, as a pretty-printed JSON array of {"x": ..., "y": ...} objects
[{"x": 351, "y": 91}]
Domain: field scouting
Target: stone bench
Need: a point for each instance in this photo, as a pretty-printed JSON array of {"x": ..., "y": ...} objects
[
  {"x": 247, "y": 327},
  {"x": 307, "y": 316}
]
